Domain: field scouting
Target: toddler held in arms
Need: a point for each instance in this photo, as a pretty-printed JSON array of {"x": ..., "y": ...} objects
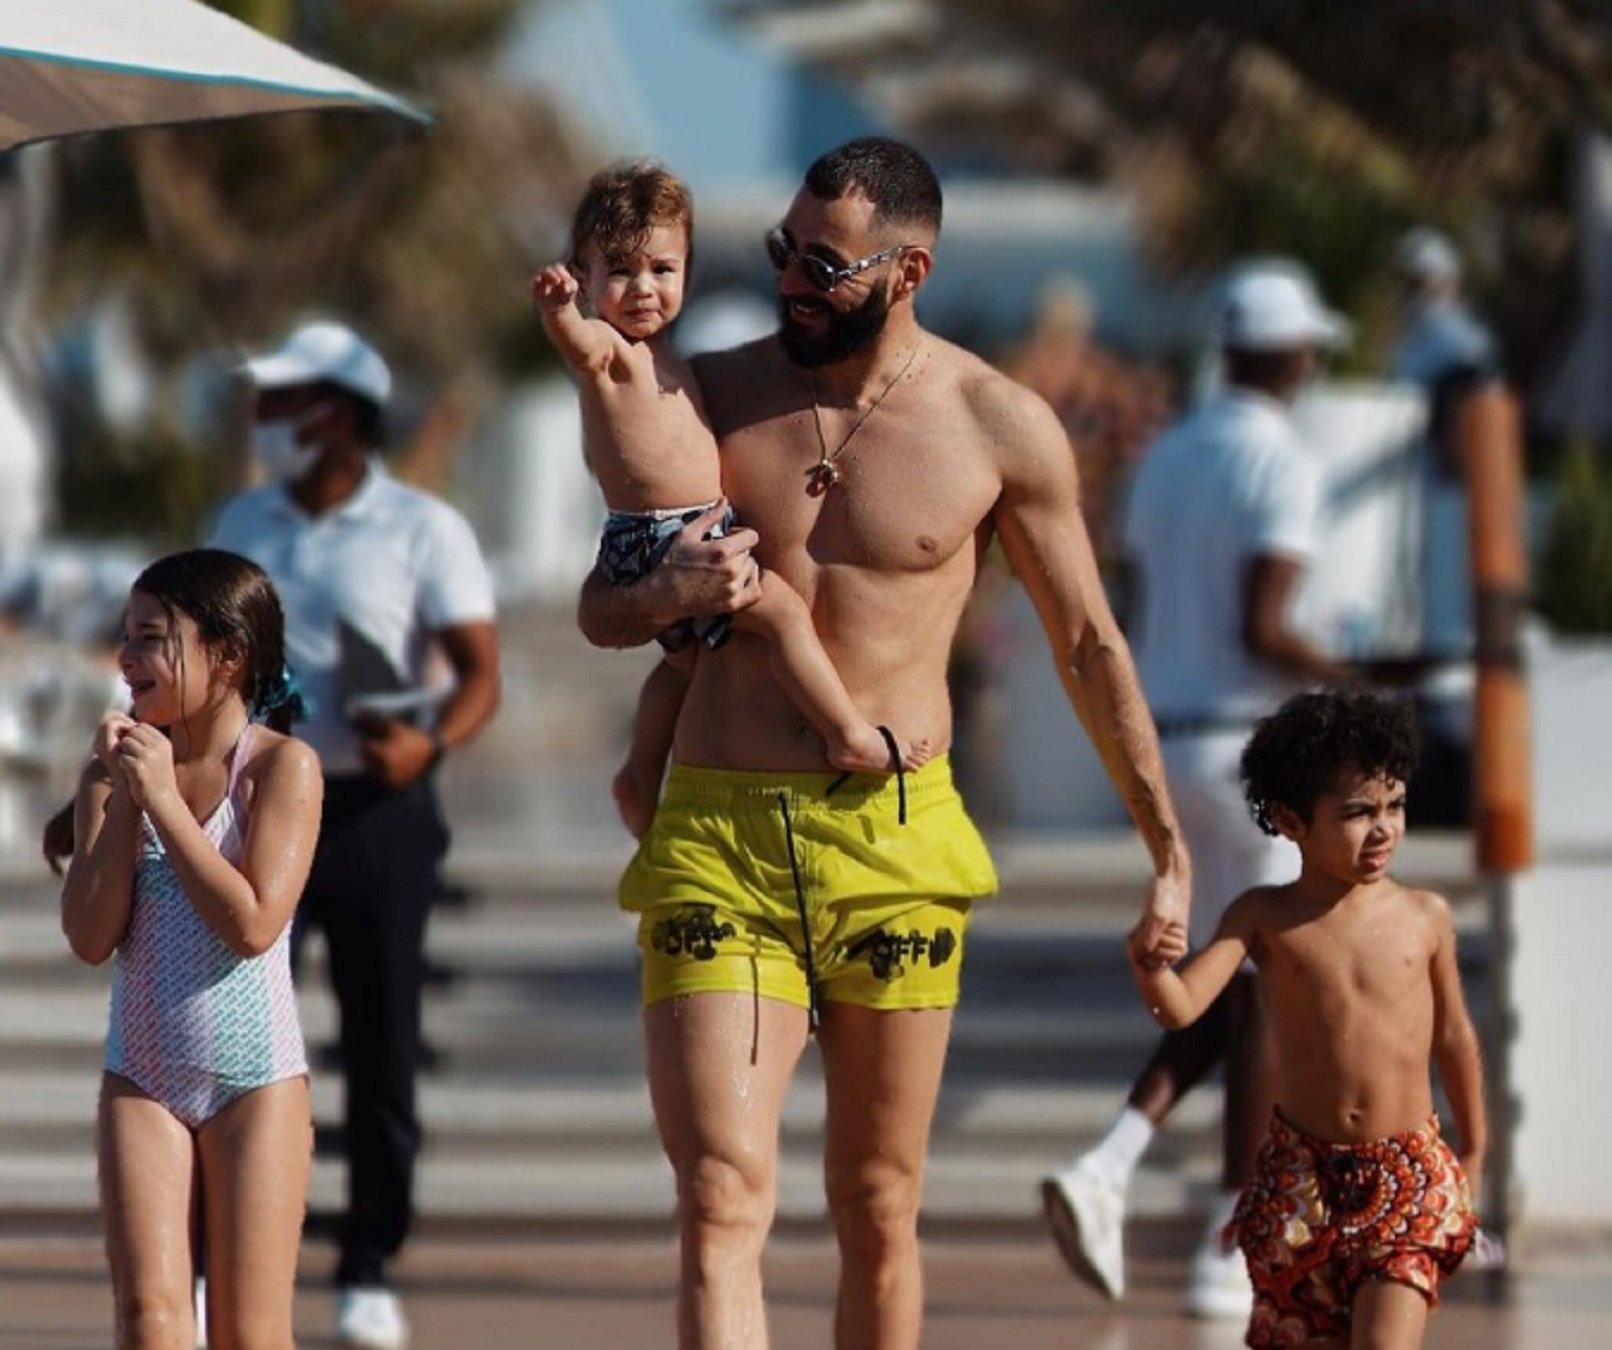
[{"x": 647, "y": 439}]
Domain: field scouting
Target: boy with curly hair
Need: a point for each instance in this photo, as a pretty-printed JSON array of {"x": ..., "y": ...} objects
[{"x": 1358, "y": 1207}]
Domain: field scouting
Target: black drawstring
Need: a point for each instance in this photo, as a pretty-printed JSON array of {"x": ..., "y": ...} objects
[
  {"x": 794, "y": 865},
  {"x": 901, "y": 773},
  {"x": 896, "y": 765},
  {"x": 805, "y": 923}
]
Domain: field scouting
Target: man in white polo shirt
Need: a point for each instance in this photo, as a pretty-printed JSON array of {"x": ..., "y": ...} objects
[
  {"x": 376, "y": 578},
  {"x": 1220, "y": 521}
]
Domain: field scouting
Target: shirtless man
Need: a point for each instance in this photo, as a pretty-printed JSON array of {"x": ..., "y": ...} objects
[{"x": 874, "y": 463}]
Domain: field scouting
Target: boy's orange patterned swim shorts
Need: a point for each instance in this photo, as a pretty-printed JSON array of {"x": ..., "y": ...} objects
[{"x": 1320, "y": 1219}]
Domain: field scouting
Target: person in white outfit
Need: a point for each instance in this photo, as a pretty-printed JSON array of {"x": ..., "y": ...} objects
[
  {"x": 381, "y": 582},
  {"x": 1447, "y": 352},
  {"x": 1220, "y": 522},
  {"x": 1442, "y": 339}
]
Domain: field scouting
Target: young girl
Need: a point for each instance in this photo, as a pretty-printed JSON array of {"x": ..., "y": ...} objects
[{"x": 194, "y": 828}]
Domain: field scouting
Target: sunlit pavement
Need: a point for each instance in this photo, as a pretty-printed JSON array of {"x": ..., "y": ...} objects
[{"x": 984, "y": 1292}]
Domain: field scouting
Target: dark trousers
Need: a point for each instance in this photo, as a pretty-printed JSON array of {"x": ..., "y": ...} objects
[{"x": 375, "y": 877}]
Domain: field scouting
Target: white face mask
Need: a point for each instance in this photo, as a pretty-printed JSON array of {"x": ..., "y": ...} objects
[{"x": 276, "y": 446}]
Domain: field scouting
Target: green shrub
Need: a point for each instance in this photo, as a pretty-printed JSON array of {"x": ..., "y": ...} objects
[
  {"x": 1575, "y": 567},
  {"x": 151, "y": 485}
]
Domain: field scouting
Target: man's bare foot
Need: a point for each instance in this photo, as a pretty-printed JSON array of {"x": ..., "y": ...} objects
[
  {"x": 636, "y": 799},
  {"x": 865, "y": 751}
]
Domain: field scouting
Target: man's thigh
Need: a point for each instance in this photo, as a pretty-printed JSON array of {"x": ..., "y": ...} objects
[
  {"x": 719, "y": 1065},
  {"x": 882, "y": 1071},
  {"x": 904, "y": 956}
]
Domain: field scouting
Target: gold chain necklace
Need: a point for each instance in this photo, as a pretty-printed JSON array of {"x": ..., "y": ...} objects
[{"x": 827, "y": 472}]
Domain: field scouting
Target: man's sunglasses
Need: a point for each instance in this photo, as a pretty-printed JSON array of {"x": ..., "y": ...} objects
[{"x": 821, "y": 274}]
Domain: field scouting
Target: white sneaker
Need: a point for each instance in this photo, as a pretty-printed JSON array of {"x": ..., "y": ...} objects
[
  {"x": 1488, "y": 1252},
  {"x": 370, "y": 1316},
  {"x": 201, "y": 1312},
  {"x": 1086, "y": 1213},
  {"x": 1218, "y": 1285}
]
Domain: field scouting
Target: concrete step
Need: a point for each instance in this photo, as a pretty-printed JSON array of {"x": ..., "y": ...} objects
[
  {"x": 534, "y": 1102},
  {"x": 522, "y": 1030},
  {"x": 636, "y": 1190},
  {"x": 565, "y": 1153},
  {"x": 54, "y": 1110},
  {"x": 532, "y": 840},
  {"x": 1043, "y": 922},
  {"x": 1068, "y": 1023}
]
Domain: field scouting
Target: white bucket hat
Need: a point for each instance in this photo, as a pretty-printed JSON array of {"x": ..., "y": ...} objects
[
  {"x": 319, "y": 352},
  {"x": 1426, "y": 255}
]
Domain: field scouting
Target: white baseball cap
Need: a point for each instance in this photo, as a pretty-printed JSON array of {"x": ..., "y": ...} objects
[
  {"x": 1426, "y": 255},
  {"x": 1273, "y": 306},
  {"x": 323, "y": 351}
]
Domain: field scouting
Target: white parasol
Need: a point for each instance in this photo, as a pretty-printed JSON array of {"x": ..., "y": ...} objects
[{"x": 72, "y": 66}]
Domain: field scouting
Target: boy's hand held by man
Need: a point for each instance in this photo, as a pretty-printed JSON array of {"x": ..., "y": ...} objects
[{"x": 1152, "y": 948}]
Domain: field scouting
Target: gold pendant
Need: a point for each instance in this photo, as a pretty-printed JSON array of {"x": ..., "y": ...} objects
[{"x": 822, "y": 476}]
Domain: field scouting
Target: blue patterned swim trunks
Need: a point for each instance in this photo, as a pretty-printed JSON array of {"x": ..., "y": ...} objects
[{"x": 633, "y": 544}]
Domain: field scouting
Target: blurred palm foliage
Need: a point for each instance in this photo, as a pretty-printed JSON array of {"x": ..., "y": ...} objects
[
  {"x": 1320, "y": 129},
  {"x": 216, "y": 237},
  {"x": 1573, "y": 587}
]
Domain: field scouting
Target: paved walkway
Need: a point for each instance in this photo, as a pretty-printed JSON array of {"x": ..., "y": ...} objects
[{"x": 985, "y": 1294}]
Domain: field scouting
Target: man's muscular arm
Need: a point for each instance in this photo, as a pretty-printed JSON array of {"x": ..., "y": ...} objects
[
  {"x": 697, "y": 577},
  {"x": 1038, "y": 519}
]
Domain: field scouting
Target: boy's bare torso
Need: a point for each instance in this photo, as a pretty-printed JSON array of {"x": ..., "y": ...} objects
[
  {"x": 1350, "y": 993},
  {"x": 885, "y": 559},
  {"x": 644, "y": 431}
]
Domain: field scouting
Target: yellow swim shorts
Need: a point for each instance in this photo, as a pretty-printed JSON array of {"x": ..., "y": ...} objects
[{"x": 808, "y": 887}]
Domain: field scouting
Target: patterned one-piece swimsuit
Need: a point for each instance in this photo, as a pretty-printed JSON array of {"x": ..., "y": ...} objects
[{"x": 193, "y": 1025}]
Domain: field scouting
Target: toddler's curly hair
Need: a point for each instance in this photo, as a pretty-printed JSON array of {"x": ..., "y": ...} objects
[
  {"x": 1303, "y": 748},
  {"x": 623, "y": 204}
]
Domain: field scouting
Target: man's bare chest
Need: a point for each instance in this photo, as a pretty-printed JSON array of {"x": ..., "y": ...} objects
[{"x": 900, "y": 502}]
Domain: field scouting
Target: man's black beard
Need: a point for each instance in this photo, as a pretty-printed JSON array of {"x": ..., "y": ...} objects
[{"x": 845, "y": 335}]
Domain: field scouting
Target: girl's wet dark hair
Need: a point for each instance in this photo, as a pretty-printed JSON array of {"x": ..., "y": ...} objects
[
  {"x": 1302, "y": 749},
  {"x": 236, "y": 611}
]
